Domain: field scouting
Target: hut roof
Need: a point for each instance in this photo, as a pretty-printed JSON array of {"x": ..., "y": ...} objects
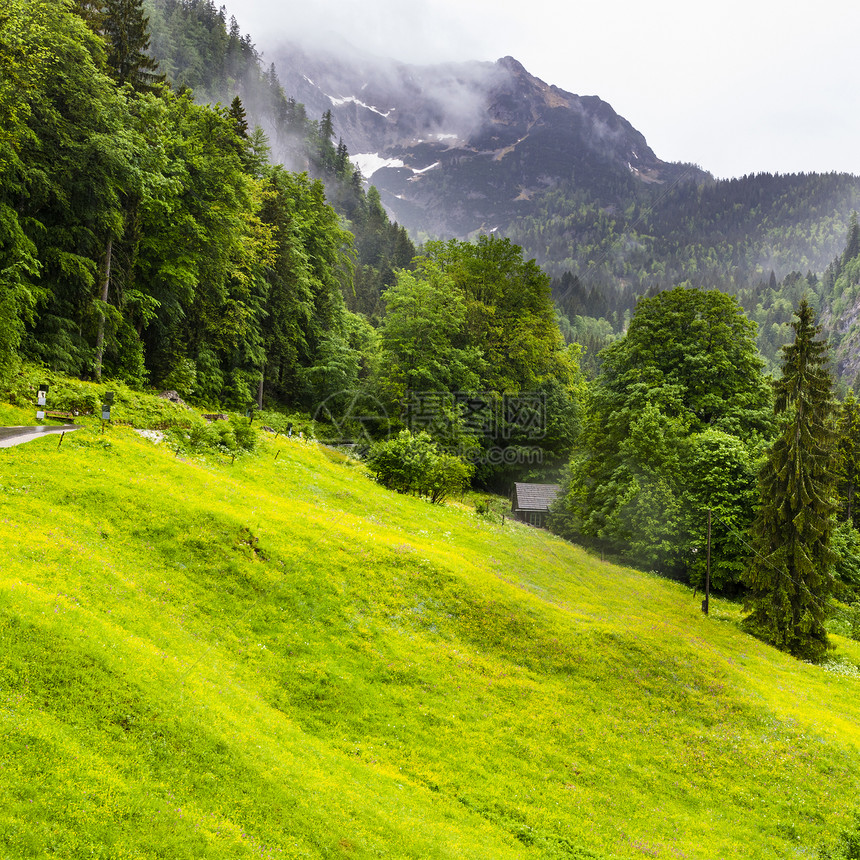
[{"x": 535, "y": 497}]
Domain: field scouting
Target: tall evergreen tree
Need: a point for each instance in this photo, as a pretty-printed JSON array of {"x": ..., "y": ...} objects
[
  {"x": 240, "y": 118},
  {"x": 852, "y": 246},
  {"x": 126, "y": 30},
  {"x": 788, "y": 577}
]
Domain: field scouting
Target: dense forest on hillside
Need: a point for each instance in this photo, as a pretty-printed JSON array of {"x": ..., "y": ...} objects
[
  {"x": 596, "y": 316},
  {"x": 151, "y": 239},
  {"x": 723, "y": 233},
  {"x": 146, "y": 236},
  {"x": 199, "y": 49}
]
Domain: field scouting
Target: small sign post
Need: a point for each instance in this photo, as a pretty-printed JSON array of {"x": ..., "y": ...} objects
[
  {"x": 42, "y": 401},
  {"x": 106, "y": 407}
]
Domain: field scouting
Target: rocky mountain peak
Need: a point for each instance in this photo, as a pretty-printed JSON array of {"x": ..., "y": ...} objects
[{"x": 455, "y": 148}]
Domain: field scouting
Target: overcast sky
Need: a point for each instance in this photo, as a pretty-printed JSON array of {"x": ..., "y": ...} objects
[{"x": 737, "y": 87}]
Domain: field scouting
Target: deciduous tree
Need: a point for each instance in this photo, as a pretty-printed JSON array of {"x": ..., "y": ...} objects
[{"x": 677, "y": 400}]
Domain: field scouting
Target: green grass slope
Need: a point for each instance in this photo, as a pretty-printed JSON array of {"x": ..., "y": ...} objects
[{"x": 278, "y": 658}]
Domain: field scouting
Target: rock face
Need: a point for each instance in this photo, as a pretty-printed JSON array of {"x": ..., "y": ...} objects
[{"x": 458, "y": 148}]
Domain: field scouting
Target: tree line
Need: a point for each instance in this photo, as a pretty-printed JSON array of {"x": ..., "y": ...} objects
[
  {"x": 147, "y": 237},
  {"x": 684, "y": 436}
]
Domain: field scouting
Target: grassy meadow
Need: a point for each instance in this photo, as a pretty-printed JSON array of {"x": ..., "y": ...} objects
[{"x": 272, "y": 656}]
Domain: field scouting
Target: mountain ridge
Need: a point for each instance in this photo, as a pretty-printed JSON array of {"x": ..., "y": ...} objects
[{"x": 494, "y": 133}]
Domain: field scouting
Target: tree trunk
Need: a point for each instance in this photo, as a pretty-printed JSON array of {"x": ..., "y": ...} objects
[{"x": 100, "y": 339}]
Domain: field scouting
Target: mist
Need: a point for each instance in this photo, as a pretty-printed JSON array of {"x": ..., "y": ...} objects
[{"x": 737, "y": 87}]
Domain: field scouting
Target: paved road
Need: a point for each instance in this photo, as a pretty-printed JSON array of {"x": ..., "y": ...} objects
[{"x": 10, "y": 436}]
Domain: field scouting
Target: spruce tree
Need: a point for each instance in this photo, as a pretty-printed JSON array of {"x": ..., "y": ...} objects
[
  {"x": 240, "y": 118},
  {"x": 788, "y": 577},
  {"x": 852, "y": 246},
  {"x": 125, "y": 28}
]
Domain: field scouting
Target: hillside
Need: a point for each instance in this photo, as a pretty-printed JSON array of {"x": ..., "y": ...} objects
[{"x": 275, "y": 657}]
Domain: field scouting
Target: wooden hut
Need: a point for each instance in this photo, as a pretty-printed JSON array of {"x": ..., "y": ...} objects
[{"x": 530, "y": 503}]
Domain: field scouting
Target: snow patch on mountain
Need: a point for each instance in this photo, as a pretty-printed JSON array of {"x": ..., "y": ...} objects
[
  {"x": 337, "y": 102},
  {"x": 425, "y": 169},
  {"x": 369, "y": 162}
]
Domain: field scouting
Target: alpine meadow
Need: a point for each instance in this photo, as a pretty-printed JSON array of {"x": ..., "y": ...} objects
[{"x": 404, "y": 461}]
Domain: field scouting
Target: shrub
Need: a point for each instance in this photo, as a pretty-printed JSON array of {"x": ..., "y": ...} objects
[
  {"x": 443, "y": 476},
  {"x": 411, "y": 463},
  {"x": 226, "y": 437}
]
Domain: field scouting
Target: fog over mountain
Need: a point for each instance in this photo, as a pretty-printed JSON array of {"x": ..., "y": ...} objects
[
  {"x": 456, "y": 148},
  {"x": 737, "y": 87}
]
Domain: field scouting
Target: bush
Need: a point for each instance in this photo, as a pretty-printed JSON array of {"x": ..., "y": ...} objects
[
  {"x": 414, "y": 464},
  {"x": 444, "y": 476},
  {"x": 235, "y": 436}
]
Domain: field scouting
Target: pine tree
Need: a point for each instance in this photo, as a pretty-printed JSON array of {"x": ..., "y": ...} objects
[
  {"x": 126, "y": 32},
  {"x": 326, "y": 127},
  {"x": 789, "y": 578},
  {"x": 852, "y": 246},
  {"x": 240, "y": 118}
]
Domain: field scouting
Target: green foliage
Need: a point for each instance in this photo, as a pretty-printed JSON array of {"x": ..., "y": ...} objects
[
  {"x": 847, "y": 846},
  {"x": 24, "y": 57},
  {"x": 845, "y": 620},
  {"x": 411, "y": 463},
  {"x": 848, "y": 459},
  {"x": 66, "y": 394},
  {"x": 673, "y": 419},
  {"x": 126, "y": 32},
  {"x": 720, "y": 472},
  {"x": 233, "y": 436},
  {"x": 305, "y": 329},
  {"x": 199, "y": 51},
  {"x": 71, "y": 165},
  {"x": 421, "y": 335},
  {"x": 845, "y": 545},
  {"x": 182, "y": 377},
  {"x": 143, "y": 236},
  {"x": 789, "y": 576},
  {"x": 472, "y": 325}
]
